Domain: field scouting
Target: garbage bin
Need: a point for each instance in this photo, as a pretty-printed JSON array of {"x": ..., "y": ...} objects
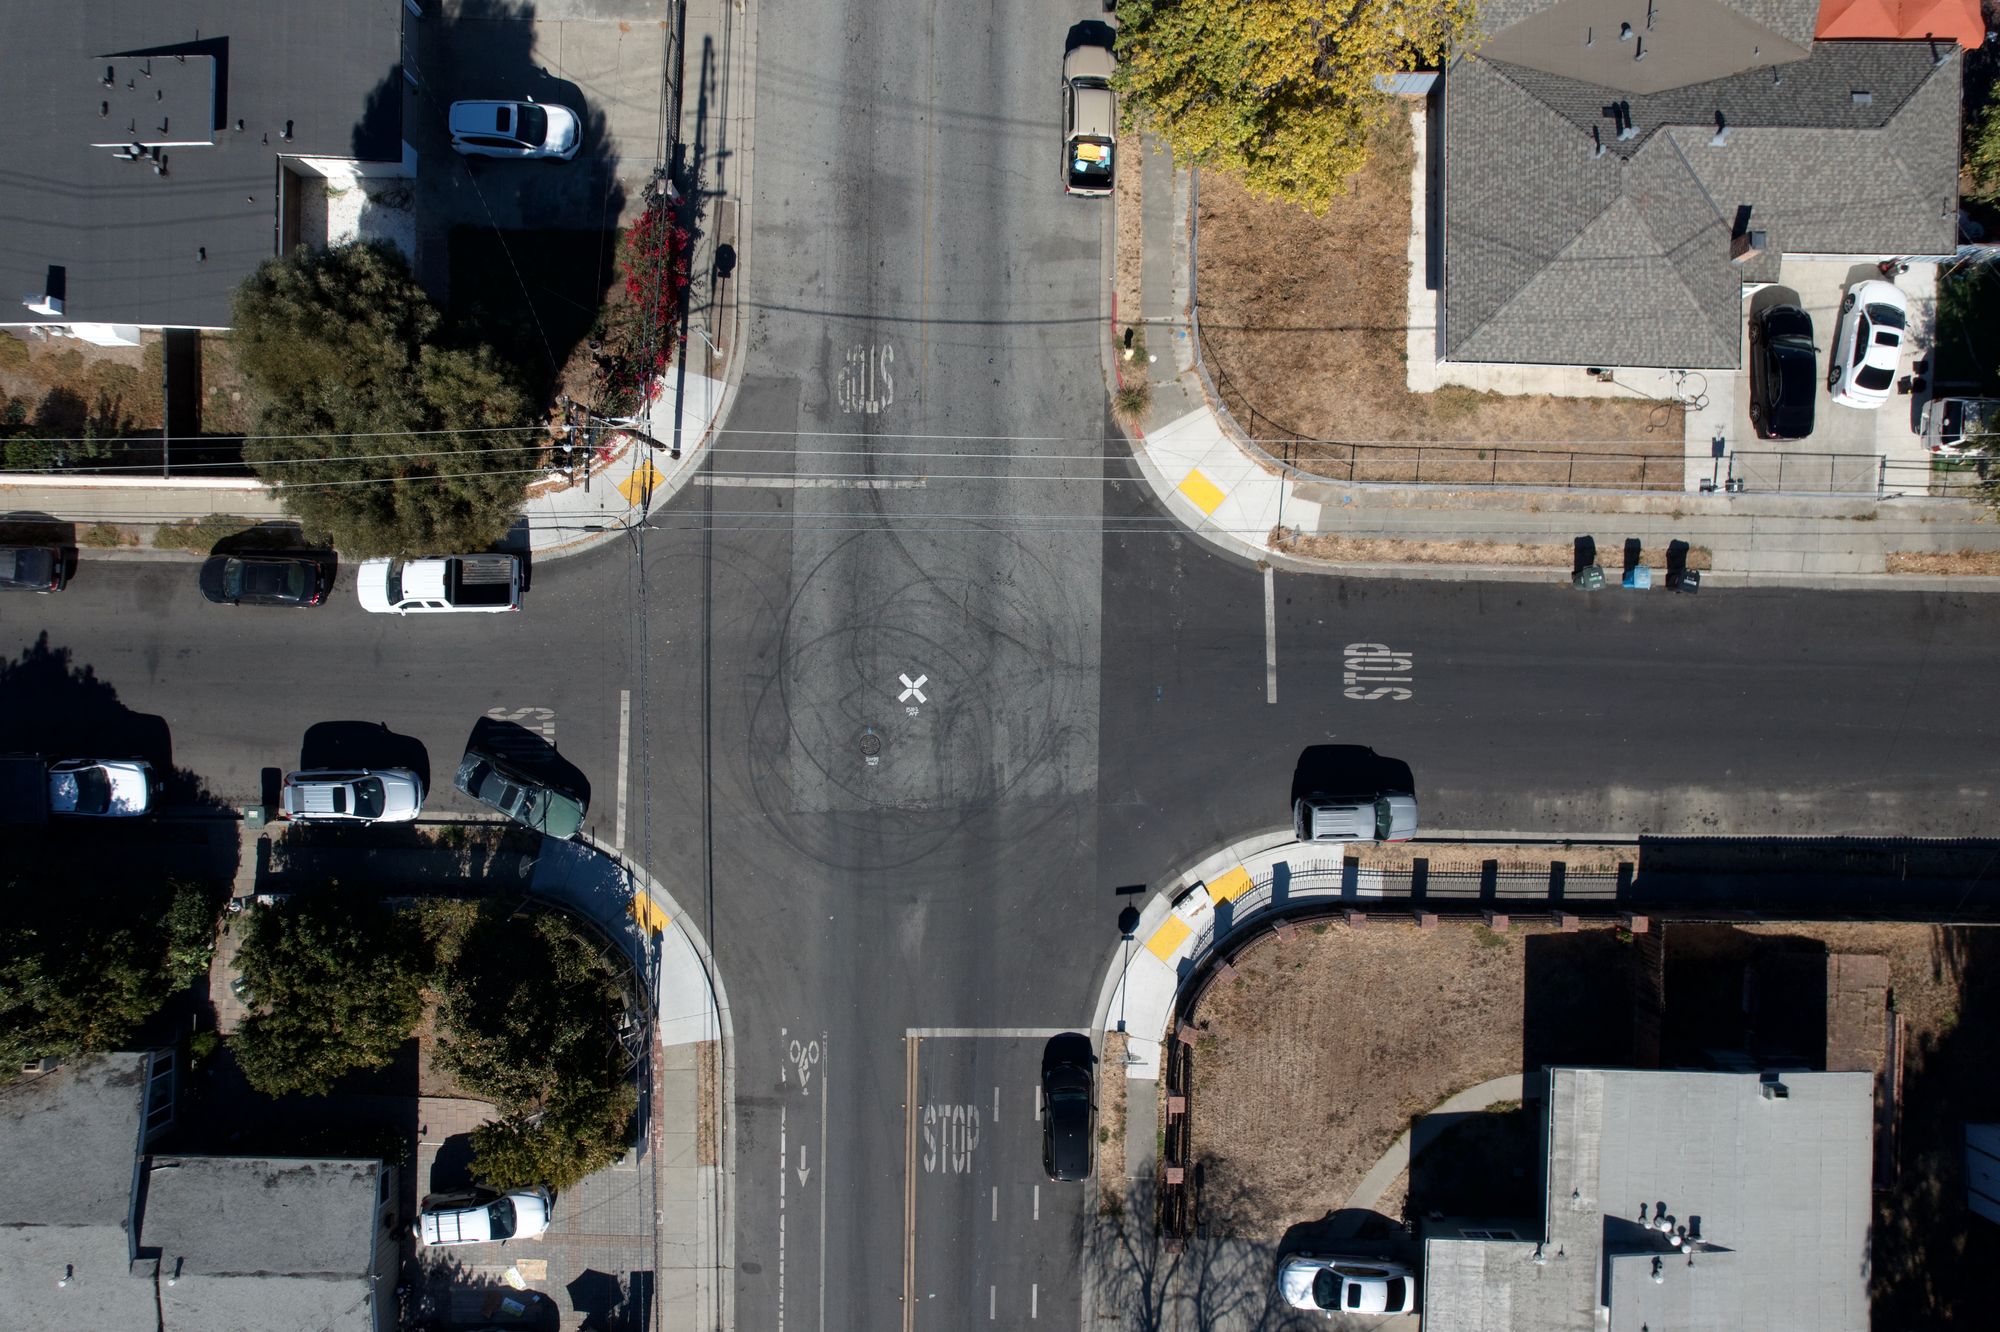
[{"x": 1589, "y": 578}]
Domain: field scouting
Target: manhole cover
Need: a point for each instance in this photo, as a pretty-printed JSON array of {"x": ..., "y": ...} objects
[{"x": 871, "y": 744}]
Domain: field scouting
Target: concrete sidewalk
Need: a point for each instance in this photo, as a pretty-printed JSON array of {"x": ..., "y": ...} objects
[{"x": 1231, "y": 494}]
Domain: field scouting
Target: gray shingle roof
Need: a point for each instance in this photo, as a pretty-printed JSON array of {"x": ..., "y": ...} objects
[
  {"x": 130, "y": 239},
  {"x": 258, "y": 1242},
  {"x": 1614, "y": 44},
  {"x": 1777, "y": 1189},
  {"x": 1544, "y": 264}
]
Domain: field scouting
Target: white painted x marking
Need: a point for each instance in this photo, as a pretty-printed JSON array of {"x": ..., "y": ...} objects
[{"x": 912, "y": 688}]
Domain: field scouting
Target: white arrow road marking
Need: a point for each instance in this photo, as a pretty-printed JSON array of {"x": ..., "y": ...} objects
[
  {"x": 803, "y": 1172},
  {"x": 912, "y": 688}
]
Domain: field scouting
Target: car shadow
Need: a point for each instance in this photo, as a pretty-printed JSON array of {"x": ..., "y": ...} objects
[
  {"x": 1348, "y": 770},
  {"x": 1090, "y": 32},
  {"x": 359, "y": 744}
]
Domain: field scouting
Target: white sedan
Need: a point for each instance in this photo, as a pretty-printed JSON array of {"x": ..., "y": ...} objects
[
  {"x": 1874, "y": 319},
  {"x": 515, "y": 129},
  {"x": 483, "y": 1218},
  {"x": 102, "y": 788},
  {"x": 1347, "y": 1285}
]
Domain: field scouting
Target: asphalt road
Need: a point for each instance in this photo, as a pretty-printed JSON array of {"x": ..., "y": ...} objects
[{"x": 904, "y": 718}]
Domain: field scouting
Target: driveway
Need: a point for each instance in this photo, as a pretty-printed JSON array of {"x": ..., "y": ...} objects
[
  {"x": 603, "y": 59},
  {"x": 1843, "y": 438}
]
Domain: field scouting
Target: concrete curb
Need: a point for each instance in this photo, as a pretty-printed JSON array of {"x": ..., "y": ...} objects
[{"x": 712, "y": 1272}]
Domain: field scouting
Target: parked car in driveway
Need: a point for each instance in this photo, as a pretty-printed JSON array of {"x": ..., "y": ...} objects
[
  {"x": 264, "y": 580},
  {"x": 1339, "y": 1285},
  {"x": 1961, "y": 427},
  {"x": 482, "y": 1218},
  {"x": 529, "y": 800},
  {"x": 102, "y": 788},
  {"x": 1388, "y": 817},
  {"x": 352, "y": 795},
  {"x": 1784, "y": 370},
  {"x": 515, "y": 129},
  {"x": 1066, "y": 1119},
  {"x": 33, "y": 568},
  {"x": 1874, "y": 318},
  {"x": 1090, "y": 121}
]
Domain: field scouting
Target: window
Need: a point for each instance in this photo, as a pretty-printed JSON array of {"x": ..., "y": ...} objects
[{"x": 1488, "y": 1235}]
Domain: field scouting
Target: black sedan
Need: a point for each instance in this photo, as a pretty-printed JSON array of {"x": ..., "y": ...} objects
[
  {"x": 1784, "y": 372},
  {"x": 33, "y": 568},
  {"x": 265, "y": 580},
  {"x": 1070, "y": 1109}
]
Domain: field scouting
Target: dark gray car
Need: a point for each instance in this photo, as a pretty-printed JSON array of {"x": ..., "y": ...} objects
[
  {"x": 1066, "y": 1119},
  {"x": 529, "y": 800}
]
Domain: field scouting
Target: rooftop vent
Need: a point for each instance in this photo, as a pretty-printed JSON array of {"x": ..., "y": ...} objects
[
  {"x": 1721, "y": 139},
  {"x": 1775, "y": 1090},
  {"x": 1624, "y": 32},
  {"x": 55, "y": 288},
  {"x": 1861, "y": 96}
]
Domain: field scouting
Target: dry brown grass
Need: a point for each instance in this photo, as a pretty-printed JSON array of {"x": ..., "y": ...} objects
[
  {"x": 1557, "y": 556},
  {"x": 1129, "y": 255},
  {"x": 1318, "y": 1053},
  {"x": 1985, "y": 562},
  {"x": 1111, "y": 1123},
  {"x": 1302, "y": 326}
]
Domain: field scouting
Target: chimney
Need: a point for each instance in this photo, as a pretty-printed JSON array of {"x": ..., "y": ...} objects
[{"x": 1747, "y": 246}]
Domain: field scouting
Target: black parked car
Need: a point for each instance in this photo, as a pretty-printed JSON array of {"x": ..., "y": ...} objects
[
  {"x": 1784, "y": 372},
  {"x": 1066, "y": 1121},
  {"x": 265, "y": 580},
  {"x": 33, "y": 568}
]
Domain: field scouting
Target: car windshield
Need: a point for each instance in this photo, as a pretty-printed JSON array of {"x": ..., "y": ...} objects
[
  {"x": 368, "y": 797},
  {"x": 93, "y": 791},
  {"x": 1384, "y": 822},
  {"x": 1886, "y": 315},
  {"x": 1067, "y": 1095},
  {"x": 533, "y": 127},
  {"x": 1395, "y": 1293},
  {"x": 1326, "y": 1289},
  {"x": 502, "y": 1215},
  {"x": 1875, "y": 377}
]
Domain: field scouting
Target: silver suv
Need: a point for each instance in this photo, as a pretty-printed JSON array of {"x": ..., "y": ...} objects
[
  {"x": 1388, "y": 817},
  {"x": 352, "y": 795}
]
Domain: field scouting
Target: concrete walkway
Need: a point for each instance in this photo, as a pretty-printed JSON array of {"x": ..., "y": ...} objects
[
  {"x": 1230, "y": 493},
  {"x": 1397, "y": 1159}
]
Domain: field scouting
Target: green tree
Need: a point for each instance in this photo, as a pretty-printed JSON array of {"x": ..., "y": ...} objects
[
  {"x": 1982, "y": 152},
  {"x": 583, "y": 1128},
  {"x": 338, "y": 985},
  {"x": 381, "y": 427},
  {"x": 1281, "y": 92},
  {"x": 83, "y": 970},
  {"x": 528, "y": 1020}
]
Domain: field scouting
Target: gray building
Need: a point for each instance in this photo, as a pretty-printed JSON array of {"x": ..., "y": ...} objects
[
  {"x": 157, "y": 149},
  {"x": 1691, "y": 1201},
  {"x": 1613, "y": 176},
  {"x": 96, "y": 1233}
]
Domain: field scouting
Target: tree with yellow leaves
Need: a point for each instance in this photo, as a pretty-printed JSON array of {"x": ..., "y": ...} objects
[{"x": 1282, "y": 92}]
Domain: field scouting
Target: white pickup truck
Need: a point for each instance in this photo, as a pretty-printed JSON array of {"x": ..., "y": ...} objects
[{"x": 446, "y": 583}]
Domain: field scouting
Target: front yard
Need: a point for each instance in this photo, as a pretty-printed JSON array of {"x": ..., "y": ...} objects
[{"x": 1304, "y": 331}]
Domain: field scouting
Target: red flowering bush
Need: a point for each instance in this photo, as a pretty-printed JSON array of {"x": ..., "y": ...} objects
[{"x": 654, "y": 256}]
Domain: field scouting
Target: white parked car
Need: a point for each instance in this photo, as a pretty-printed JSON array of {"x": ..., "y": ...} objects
[
  {"x": 1874, "y": 320},
  {"x": 1347, "y": 1285},
  {"x": 101, "y": 788},
  {"x": 515, "y": 129},
  {"x": 352, "y": 795},
  {"x": 1388, "y": 817},
  {"x": 481, "y": 1218}
]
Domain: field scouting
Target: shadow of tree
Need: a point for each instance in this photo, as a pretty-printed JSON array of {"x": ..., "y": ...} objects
[{"x": 1213, "y": 1280}]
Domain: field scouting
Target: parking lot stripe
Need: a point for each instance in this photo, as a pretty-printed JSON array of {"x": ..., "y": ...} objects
[
  {"x": 1270, "y": 635},
  {"x": 624, "y": 764}
]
